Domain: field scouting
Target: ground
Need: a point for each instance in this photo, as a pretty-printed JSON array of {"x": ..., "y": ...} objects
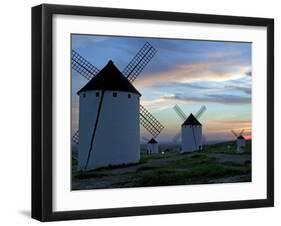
[{"x": 217, "y": 163}]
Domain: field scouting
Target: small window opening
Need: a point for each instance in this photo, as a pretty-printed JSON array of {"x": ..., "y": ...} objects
[
  {"x": 114, "y": 94},
  {"x": 97, "y": 94},
  {"x": 129, "y": 95},
  {"x": 84, "y": 94}
]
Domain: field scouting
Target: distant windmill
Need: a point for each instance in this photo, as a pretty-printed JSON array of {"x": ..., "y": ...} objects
[
  {"x": 152, "y": 146},
  {"x": 240, "y": 141},
  {"x": 191, "y": 130},
  {"x": 110, "y": 113}
]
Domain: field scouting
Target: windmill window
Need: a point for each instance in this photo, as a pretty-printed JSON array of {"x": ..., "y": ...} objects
[
  {"x": 129, "y": 95},
  {"x": 97, "y": 94},
  {"x": 114, "y": 94},
  {"x": 84, "y": 94}
]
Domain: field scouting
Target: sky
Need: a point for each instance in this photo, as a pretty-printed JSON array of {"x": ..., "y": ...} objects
[{"x": 189, "y": 73}]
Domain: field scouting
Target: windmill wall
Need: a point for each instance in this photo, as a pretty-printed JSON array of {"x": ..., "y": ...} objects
[
  {"x": 191, "y": 138},
  {"x": 152, "y": 148},
  {"x": 241, "y": 143},
  {"x": 117, "y": 136}
]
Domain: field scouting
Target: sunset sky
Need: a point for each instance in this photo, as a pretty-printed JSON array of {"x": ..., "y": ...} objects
[{"x": 190, "y": 73}]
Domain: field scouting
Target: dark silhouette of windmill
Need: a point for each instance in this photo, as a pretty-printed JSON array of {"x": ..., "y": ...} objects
[
  {"x": 151, "y": 145},
  {"x": 131, "y": 71},
  {"x": 191, "y": 129},
  {"x": 240, "y": 140}
]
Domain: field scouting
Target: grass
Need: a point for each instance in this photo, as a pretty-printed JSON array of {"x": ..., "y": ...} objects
[
  {"x": 228, "y": 148},
  {"x": 144, "y": 157},
  {"x": 144, "y": 168},
  {"x": 74, "y": 161},
  {"x": 164, "y": 177},
  {"x": 213, "y": 163},
  {"x": 90, "y": 174},
  {"x": 190, "y": 169}
]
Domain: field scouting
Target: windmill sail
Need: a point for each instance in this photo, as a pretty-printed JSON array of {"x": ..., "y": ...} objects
[
  {"x": 183, "y": 117},
  {"x": 234, "y": 133},
  {"x": 180, "y": 112},
  {"x": 149, "y": 122},
  {"x": 82, "y": 66},
  {"x": 140, "y": 60},
  {"x": 75, "y": 137},
  {"x": 201, "y": 111}
]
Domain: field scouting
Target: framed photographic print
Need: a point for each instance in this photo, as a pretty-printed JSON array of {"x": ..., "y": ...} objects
[{"x": 146, "y": 112}]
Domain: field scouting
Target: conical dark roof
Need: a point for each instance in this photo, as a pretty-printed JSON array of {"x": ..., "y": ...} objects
[
  {"x": 109, "y": 78},
  {"x": 152, "y": 141},
  {"x": 191, "y": 120},
  {"x": 241, "y": 137}
]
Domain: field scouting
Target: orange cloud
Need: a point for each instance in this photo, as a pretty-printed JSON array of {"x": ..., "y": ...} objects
[{"x": 224, "y": 127}]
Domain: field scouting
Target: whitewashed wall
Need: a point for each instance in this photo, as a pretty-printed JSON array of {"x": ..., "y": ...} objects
[
  {"x": 240, "y": 145},
  {"x": 188, "y": 143},
  {"x": 117, "y": 136},
  {"x": 152, "y": 148}
]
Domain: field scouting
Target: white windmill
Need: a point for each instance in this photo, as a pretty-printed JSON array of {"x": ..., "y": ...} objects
[
  {"x": 110, "y": 113},
  {"x": 152, "y": 146},
  {"x": 191, "y": 130},
  {"x": 240, "y": 141}
]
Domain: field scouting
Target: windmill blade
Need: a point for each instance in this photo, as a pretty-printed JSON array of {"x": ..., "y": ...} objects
[
  {"x": 234, "y": 133},
  {"x": 180, "y": 112},
  {"x": 140, "y": 60},
  {"x": 201, "y": 111},
  {"x": 82, "y": 66},
  {"x": 75, "y": 137},
  {"x": 149, "y": 122},
  {"x": 177, "y": 137},
  {"x": 242, "y": 131}
]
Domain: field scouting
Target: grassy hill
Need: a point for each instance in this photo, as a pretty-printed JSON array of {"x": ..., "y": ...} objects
[{"x": 216, "y": 163}]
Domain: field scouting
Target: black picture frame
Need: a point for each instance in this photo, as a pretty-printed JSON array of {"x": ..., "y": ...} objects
[{"x": 42, "y": 111}]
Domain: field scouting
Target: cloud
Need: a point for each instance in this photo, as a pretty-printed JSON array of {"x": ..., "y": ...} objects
[
  {"x": 224, "y": 126},
  {"x": 232, "y": 121},
  {"x": 185, "y": 73},
  {"x": 192, "y": 85},
  {"x": 220, "y": 55},
  {"x": 211, "y": 98},
  {"x": 244, "y": 89},
  {"x": 168, "y": 101}
]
